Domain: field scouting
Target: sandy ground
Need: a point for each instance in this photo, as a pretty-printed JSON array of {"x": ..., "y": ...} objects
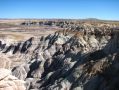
[{"x": 22, "y": 34}]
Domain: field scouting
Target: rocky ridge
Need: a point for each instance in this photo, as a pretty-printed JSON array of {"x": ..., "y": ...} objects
[{"x": 80, "y": 58}]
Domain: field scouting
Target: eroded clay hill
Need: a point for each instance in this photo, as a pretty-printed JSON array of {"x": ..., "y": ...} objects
[{"x": 81, "y": 58}]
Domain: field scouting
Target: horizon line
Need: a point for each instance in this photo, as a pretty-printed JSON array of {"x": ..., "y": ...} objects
[{"x": 61, "y": 19}]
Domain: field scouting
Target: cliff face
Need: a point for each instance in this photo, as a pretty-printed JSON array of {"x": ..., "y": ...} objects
[{"x": 82, "y": 59}]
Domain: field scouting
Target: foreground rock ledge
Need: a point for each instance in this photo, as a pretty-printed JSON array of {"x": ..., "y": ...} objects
[{"x": 9, "y": 82}]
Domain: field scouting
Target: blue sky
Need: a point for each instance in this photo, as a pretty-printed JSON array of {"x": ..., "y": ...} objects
[{"x": 74, "y": 9}]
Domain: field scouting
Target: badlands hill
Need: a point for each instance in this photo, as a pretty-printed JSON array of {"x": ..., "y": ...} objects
[{"x": 59, "y": 54}]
